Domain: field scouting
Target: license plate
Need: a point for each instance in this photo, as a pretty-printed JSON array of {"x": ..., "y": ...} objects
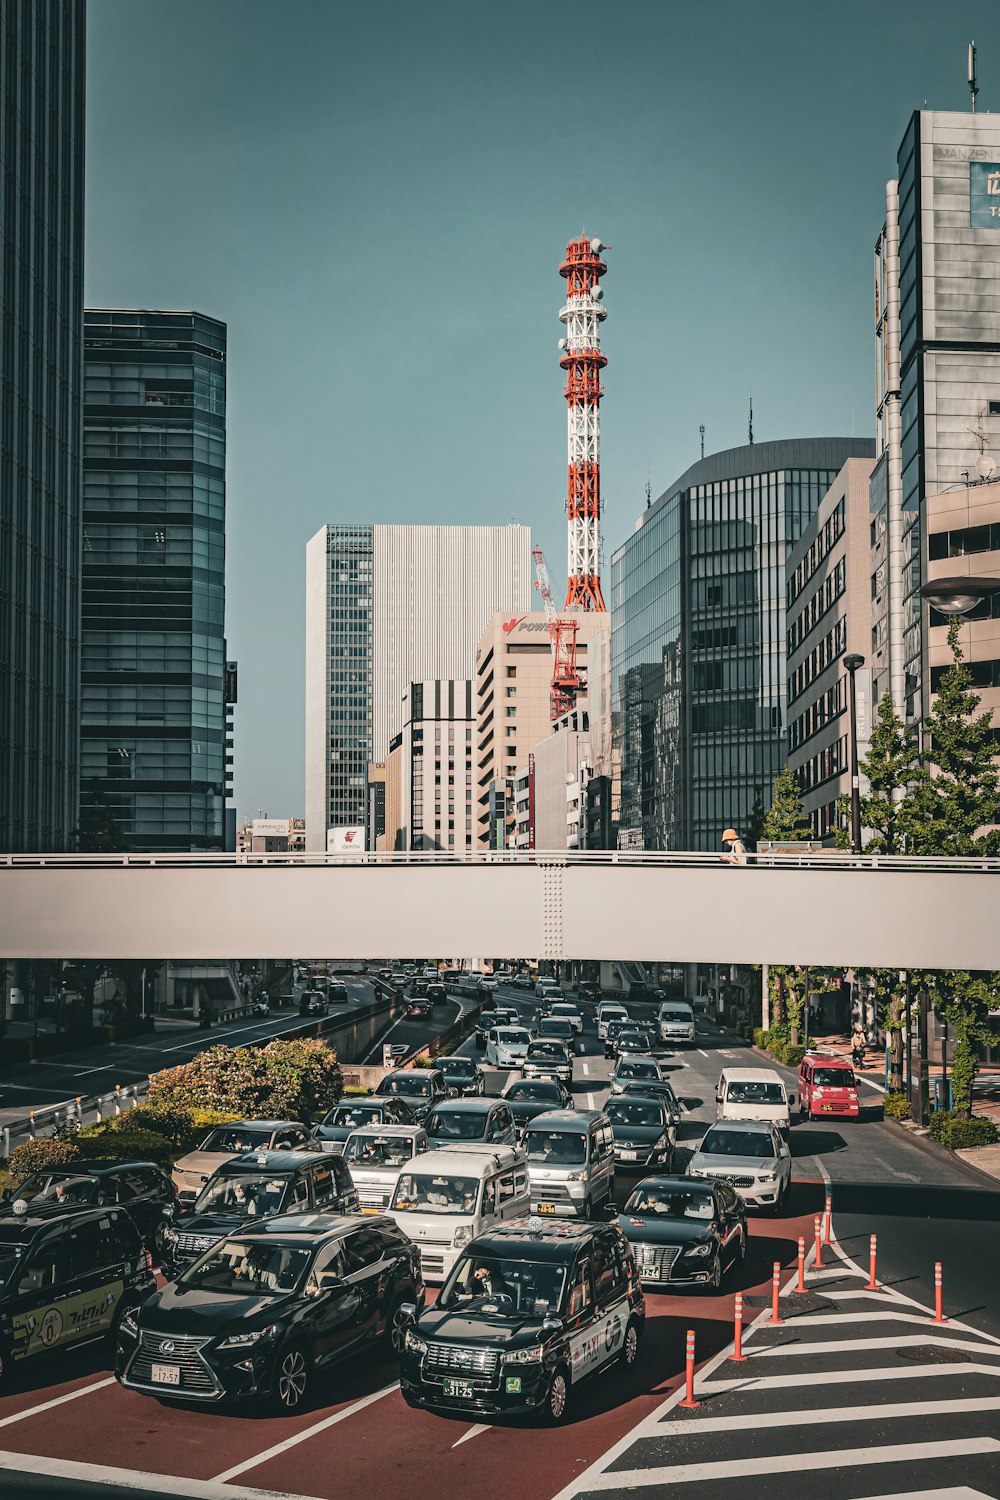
[
  {"x": 650, "y": 1273},
  {"x": 458, "y": 1388},
  {"x": 827, "y": 1107},
  {"x": 546, "y": 1208},
  {"x": 167, "y": 1374},
  {"x": 628, "y": 1155}
]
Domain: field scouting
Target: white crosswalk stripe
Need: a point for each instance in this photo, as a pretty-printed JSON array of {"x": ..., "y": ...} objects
[{"x": 923, "y": 1424}]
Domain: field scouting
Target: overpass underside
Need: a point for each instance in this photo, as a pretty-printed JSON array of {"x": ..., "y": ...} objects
[{"x": 819, "y": 911}]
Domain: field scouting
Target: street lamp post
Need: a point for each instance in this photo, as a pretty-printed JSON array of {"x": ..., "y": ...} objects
[{"x": 852, "y": 661}]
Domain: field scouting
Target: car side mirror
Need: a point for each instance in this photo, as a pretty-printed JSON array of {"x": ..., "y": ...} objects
[
  {"x": 407, "y": 1314},
  {"x": 552, "y": 1325},
  {"x": 785, "y": 1150}
]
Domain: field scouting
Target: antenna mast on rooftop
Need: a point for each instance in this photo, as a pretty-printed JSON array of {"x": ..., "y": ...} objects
[
  {"x": 973, "y": 85},
  {"x": 581, "y": 358}
]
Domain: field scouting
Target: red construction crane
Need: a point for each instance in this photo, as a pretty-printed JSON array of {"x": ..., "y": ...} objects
[{"x": 566, "y": 679}]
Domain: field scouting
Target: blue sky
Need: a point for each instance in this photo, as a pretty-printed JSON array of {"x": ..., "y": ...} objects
[{"x": 376, "y": 199}]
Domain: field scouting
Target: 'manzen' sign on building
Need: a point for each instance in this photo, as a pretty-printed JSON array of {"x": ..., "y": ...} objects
[{"x": 984, "y": 195}]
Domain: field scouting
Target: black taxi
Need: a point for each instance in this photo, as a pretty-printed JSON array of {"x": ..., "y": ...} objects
[
  {"x": 255, "y": 1186},
  {"x": 530, "y": 1310},
  {"x": 66, "y": 1275}
]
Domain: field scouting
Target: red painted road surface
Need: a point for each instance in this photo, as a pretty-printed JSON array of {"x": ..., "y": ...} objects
[{"x": 383, "y": 1448}]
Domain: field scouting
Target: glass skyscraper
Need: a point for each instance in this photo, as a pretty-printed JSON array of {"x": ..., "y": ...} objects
[
  {"x": 154, "y": 515},
  {"x": 698, "y": 639},
  {"x": 41, "y": 316}
]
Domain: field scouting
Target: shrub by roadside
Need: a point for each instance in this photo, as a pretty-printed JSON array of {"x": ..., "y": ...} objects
[
  {"x": 107, "y": 1143},
  {"x": 897, "y": 1107},
  {"x": 296, "y": 1079},
  {"x": 35, "y": 1156},
  {"x": 949, "y": 1130}
]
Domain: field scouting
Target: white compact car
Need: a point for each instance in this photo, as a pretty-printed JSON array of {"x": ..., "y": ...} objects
[{"x": 507, "y": 1046}]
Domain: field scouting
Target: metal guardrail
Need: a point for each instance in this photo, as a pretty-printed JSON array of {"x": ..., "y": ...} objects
[{"x": 479, "y": 858}]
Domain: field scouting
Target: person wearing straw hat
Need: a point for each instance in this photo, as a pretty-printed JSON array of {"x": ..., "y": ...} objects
[{"x": 737, "y": 854}]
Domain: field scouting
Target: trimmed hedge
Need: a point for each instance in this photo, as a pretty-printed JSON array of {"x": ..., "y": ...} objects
[
  {"x": 35, "y": 1156},
  {"x": 106, "y": 1143},
  {"x": 957, "y": 1134},
  {"x": 897, "y": 1107},
  {"x": 760, "y": 1037}
]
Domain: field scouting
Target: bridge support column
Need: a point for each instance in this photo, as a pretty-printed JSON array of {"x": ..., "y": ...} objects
[{"x": 553, "y": 935}]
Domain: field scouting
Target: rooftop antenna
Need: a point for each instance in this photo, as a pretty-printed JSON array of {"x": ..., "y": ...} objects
[
  {"x": 750, "y": 426},
  {"x": 649, "y": 493},
  {"x": 973, "y": 85},
  {"x": 701, "y": 429}
]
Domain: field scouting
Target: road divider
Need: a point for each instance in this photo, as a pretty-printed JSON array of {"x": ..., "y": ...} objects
[{"x": 689, "y": 1400}]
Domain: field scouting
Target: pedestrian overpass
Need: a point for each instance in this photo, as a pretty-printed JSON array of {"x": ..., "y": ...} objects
[{"x": 825, "y": 908}]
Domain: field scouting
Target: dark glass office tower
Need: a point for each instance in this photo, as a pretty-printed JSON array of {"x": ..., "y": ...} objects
[
  {"x": 154, "y": 513},
  {"x": 41, "y": 316},
  {"x": 698, "y": 639}
]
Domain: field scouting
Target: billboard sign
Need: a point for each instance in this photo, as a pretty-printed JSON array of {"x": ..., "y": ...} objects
[
  {"x": 345, "y": 841},
  {"x": 984, "y": 194},
  {"x": 269, "y": 828}
]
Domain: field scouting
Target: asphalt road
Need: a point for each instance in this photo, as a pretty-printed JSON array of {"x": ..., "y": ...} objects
[{"x": 784, "y": 1419}]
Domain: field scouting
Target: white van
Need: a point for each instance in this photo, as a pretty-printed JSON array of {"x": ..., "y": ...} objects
[
  {"x": 444, "y": 1199},
  {"x": 377, "y": 1154},
  {"x": 609, "y": 1010},
  {"x": 753, "y": 1094},
  {"x": 676, "y": 1021}
]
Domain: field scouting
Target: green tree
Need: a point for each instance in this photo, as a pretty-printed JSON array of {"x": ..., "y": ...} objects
[
  {"x": 755, "y": 820},
  {"x": 954, "y": 800},
  {"x": 786, "y": 819},
  {"x": 889, "y": 767}
]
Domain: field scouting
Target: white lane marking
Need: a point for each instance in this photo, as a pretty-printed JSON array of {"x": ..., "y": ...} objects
[
  {"x": 472, "y": 1432},
  {"x": 700, "y": 1053},
  {"x": 590, "y": 1101},
  {"x": 853, "y": 1346},
  {"x": 134, "y": 1479},
  {"x": 300, "y": 1437},
  {"x": 784, "y": 1463},
  {"x": 836, "y": 1414},
  {"x": 888, "y": 1315},
  {"x": 846, "y": 1377},
  {"x": 960, "y": 1492},
  {"x": 586, "y": 1068},
  {"x": 33, "y": 1411}
]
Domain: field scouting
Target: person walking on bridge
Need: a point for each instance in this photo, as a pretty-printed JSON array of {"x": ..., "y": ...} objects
[{"x": 737, "y": 854}]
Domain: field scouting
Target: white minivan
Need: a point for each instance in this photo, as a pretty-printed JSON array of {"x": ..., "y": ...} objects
[
  {"x": 753, "y": 1094},
  {"x": 444, "y": 1199},
  {"x": 676, "y": 1021},
  {"x": 377, "y": 1154},
  {"x": 609, "y": 1010}
]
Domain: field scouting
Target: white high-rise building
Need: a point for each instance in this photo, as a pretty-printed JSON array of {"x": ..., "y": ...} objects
[{"x": 387, "y": 606}]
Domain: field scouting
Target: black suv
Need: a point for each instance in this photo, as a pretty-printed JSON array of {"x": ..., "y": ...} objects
[
  {"x": 529, "y": 1310},
  {"x": 258, "y": 1186},
  {"x": 266, "y": 1308},
  {"x": 147, "y": 1192},
  {"x": 463, "y": 1074},
  {"x": 419, "y": 1088},
  {"x": 344, "y": 1118},
  {"x": 66, "y": 1275}
]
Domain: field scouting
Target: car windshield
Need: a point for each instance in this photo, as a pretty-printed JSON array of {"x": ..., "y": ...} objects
[
  {"x": 513, "y": 1036},
  {"x": 370, "y": 1150},
  {"x": 674, "y": 1015},
  {"x": 247, "y": 1268},
  {"x": 755, "y": 1093},
  {"x": 738, "y": 1143},
  {"x": 429, "y": 1193},
  {"x": 457, "y": 1067},
  {"x": 633, "y": 1112},
  {"x": 349, "y": 1116},
  {"x": 659, "y": 1201},
  {"x": 565, "y": 1009},
  {"x": 637, "y": 1067},
  {"x": 235, "y": 1138},
  {"x": 504, "y": 1287},
  {"x": 456, "y": 1125},
  {"x": 833, "y": 1078},
  {"x": 59, "y": 1187},
  {"x": 554, "y": 1027},
  {"x": 252, "y": 1193},
  {"x": 542, "y": 1093},
  {"x": 560, "y": 1147},
  {"x": 411, "y": 1085},
  {"x": 547, "y": 1049},
  {"x": 657, "y": 1088}
]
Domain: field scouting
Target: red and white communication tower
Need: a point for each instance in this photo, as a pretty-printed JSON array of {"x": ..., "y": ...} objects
[
  {"x": 583, "y": 361},
  {"x": 566, "y": 677}
]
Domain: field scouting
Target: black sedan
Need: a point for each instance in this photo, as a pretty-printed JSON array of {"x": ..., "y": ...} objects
[
  {"x": 643, "y": 1134},
  {"x": 419, "y": 1008},
  {"x": 338, "y": 1123},
  {"x": 654, "y": 1088},
  {"x": 529, "y": 1097},
  {"x": 625, "y": 1036},
  {"x": 684, "y": 1232},
  {"x": 139, "y": 1186},
  {"x": 436, "y": 993},
  {"x": 263, "y": 1310},
  {"x": 462, "y": 1074}
]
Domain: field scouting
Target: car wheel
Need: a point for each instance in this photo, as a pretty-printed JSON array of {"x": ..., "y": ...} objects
[
  {"x": 291, "y": 1378},
  {"x": 160, "y": 1239},
  {"x": 630, "y": 1346},
  {"x": 395, "y": 1331},
  {"x": 588, "y": 1209},
  {"x": 556, "y": 1404},
  {"x": 715, "y": 1280}
]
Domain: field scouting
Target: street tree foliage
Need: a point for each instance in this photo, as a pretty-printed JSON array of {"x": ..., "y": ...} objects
[
  {"x": 889, "y": 768},
  {"x": 786, "y": 819},
  {"x": 298, "y": 1079}
]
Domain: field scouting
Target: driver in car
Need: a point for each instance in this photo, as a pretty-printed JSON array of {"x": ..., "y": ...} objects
[{"x": 489, "y": 1282}]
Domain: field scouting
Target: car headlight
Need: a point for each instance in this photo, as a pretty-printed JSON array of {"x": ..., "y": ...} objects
[
  {"x": 170, "y": 1233},
  {"x": 530, "y": 1356},
  {"x": 415, "y": 1343},
  {"x": 130, "y": 1323},
  {"x": 663, "y": 1144},
  {"x": 702, "y": 1249},
  {"x": 243, "y": 1340},
  {"x": 768, "y": 1176},
  {"x": 574, "y": 1176},
  {"x": 463, "y": 1234}
]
